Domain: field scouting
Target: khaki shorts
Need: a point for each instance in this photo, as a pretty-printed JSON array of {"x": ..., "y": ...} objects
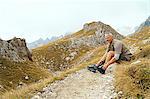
[{"x": 122, "y": 57}]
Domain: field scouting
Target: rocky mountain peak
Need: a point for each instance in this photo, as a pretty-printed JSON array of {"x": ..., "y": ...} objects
[
  {"x": 101, "y": 28},
  {"x": 146, "y": 23},
  {"x": 93, "y": 34},
  {"x": 15, "y": 49},
  {"x": 92, "y": 26}
]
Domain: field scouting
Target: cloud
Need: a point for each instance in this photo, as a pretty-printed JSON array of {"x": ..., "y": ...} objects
[{"x": 41, "y": 18}]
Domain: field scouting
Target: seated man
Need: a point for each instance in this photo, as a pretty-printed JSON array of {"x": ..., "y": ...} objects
[{"x": 116, "y": 51}]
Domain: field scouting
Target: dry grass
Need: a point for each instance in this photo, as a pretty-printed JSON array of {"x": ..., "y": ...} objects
[
  {"x": 137, "y": 38},
  {"x": 35, "y": 87},
  {"x": 23, "y": 92},
  {"x": 143, "y": 34},
  {"x": 127, "y": 75},
  {"x": 133, "y": 79},
  {"x": 143, "y": 52},
  {"x": 56, "y": 52},
  {"x": 13, "y": 73}
]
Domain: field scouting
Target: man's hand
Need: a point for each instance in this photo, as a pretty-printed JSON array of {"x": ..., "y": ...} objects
[
  {"x": 109, "y": 63},
  {"x": 100, "y": 63}
]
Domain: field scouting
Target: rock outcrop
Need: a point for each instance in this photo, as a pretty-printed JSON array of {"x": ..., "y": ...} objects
[
  {"x": 144, "y": 24},
  {"x": 98, "y": 31},
  {"x": 15, "y": 49}
]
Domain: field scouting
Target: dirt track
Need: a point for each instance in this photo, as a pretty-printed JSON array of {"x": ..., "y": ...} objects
[{"x": 81, "y": 85}]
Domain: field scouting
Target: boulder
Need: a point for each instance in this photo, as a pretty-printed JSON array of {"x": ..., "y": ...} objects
[{"x": 15, "y": 49}]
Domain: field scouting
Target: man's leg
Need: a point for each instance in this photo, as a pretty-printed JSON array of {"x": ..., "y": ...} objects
[
  {"x": 109, "y": 56},
  {"x": 102, "y": 59}
]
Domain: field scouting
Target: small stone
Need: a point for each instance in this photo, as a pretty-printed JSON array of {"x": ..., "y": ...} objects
[
  {"x": 26, "y": 77},
  {"x": 4, "y": 67},
  {"x": 11, "y": 82},
  {"x": 136, "y": 62},
  {"x": 42, "y": 62},
  {"x": 1, "y": 87},
  {"x": 47, "y": 63},
  {"x": 120, "y": 93},
  {"x": 36, "y": 97},
  {"x": 20, "y": 83},
  {"x": 53, "y": 94},
  {"x": 38, "y": 93},
  {"x": 67, "y": 58}
]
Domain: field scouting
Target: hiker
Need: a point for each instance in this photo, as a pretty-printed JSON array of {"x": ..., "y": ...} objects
[{"x": 116, "y": 51}]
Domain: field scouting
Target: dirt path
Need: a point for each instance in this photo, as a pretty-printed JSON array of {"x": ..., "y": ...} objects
[{"x": 81, "y": 85}]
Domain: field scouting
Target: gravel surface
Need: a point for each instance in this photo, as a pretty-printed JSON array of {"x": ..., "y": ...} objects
[{"x": 81, "y": 85}]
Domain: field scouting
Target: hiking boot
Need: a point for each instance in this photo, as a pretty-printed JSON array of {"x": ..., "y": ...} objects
[
  {"x": 92, "y": 68},
  {"x": 101, "y": 70},
  {"x": 95, "y": 67}
]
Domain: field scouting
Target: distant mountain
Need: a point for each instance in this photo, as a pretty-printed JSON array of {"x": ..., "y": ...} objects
[
  {"x": 144, "y": 24},
  {"x": 41, "y": 42},
  {"x": 38, "y": 43}
]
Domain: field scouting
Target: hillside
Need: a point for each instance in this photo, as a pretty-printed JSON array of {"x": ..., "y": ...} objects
[
  {"x": 146, "y": 23},
  {"x": 133, "y": 78},
  {"x": 68, "y": 51},
  {"x": 63, "y": 54},
  {"x": 127, "y": 80},
  {"x": 15, "y": 75},
  {"x": 74, "y": 52},
  {"x": 17, "y": 68},
  {"x": 136, "y": 72}
]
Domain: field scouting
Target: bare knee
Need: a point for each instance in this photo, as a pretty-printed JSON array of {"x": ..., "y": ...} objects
[{"x": 110, "y": 53}]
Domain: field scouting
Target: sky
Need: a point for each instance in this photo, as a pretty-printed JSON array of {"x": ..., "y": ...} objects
[{"x": 34, "y": 19}]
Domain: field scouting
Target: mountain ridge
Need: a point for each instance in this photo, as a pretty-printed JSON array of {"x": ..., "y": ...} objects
[
  {"x": 73, "y": 46},
  {"x": 64, "y": 56},
  {"x": 41, "y": 42},
  {"x": 146, "y": 23}
]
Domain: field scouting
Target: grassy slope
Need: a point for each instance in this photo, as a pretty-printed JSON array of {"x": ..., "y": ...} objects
[
  {"x": 124, "y": 74},
  {"x": 143, "y": 34},
  {"x": 134, "y": 79},
  {"x": 52, "y": 53},
  {"x": 35, "y": 87},
  {"x": 13, "y": 73},
  {"x": 56, "y": 52}
]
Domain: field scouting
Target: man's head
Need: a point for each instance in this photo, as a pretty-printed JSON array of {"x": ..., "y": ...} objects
[{"x": 109, "y": 37}]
